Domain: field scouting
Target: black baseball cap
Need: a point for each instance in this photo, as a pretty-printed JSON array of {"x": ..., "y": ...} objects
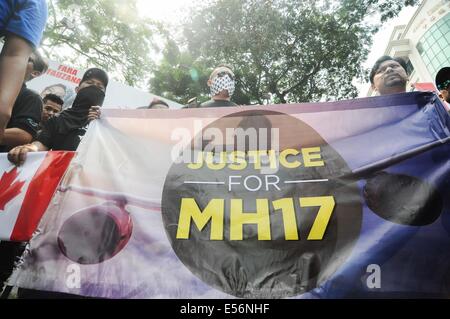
[
  {"x": 96, "y": 73},
  {"x": 443, "y": 78}
]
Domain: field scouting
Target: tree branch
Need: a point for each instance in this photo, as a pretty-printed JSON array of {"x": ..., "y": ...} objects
[{"x": 304, "y": 78}]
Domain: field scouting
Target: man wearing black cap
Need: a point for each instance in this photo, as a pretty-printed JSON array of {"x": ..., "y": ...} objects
[
  {"x": 65, "y": 131},
  {"x": 443, "y": 83}
]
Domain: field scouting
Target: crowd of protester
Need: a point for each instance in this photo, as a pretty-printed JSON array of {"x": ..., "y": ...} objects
[{"x": 31, "y": 123}]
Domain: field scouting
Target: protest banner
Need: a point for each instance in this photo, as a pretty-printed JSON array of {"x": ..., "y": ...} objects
[{"x": 322, "y": 200}]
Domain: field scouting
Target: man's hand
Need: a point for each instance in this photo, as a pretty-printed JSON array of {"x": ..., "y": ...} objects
[
  {"x": 18, "y": 154},
  {"x": 94, "y": 113}
]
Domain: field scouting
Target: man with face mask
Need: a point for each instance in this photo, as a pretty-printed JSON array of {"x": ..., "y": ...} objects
[
  {"x": 221, "y": 84},
  {"x": 65, "y": 131}
]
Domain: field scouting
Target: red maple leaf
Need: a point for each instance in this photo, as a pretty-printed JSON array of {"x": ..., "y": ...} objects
[{"x": 8, "y": 188}]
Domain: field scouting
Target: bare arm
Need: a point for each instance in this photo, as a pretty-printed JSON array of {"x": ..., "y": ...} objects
[
  {"x": 15, "y": 136},
  {"x": 18, "y": 154},
  {"x": 13, "y": 64}
]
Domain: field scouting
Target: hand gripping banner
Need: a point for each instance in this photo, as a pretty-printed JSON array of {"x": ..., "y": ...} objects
[{"x": 326, "y": 200}]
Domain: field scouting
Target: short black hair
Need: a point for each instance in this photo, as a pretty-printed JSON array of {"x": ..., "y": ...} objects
[
  {"x": 54, "y": 98},
  {"x": 382, "y": 59}
]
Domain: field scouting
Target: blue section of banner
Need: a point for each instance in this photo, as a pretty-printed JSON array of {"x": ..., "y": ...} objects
[{"x": 390, "y": 259}]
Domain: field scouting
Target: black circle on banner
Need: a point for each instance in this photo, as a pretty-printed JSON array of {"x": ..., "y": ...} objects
[
  {"x": 274, "y": 268},
  {"x": 95, "y": 234},
  {"x": 403, "y": 199}
]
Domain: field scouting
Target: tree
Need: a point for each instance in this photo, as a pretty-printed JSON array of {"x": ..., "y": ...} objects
[
  {"x": 105, "y": 33},
  {"x": 179, "y": 76},
  {"x": 294, "y": 51}
]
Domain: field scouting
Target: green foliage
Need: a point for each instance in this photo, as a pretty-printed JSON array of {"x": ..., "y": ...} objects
[
  {"x": 103, "y": 33},
  {"x": 293, "y": 51},
  {"x": 179, "y": 76}
]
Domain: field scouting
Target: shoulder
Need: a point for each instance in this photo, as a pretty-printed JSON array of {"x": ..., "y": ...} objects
[
  {"x": 36, "y": 8},
  {"x": 207, "y": 103},
  {"x": 30, "y": 93},
  {"x": 28, "y": 98},
  {"x": 218, "y": 103},
  {"x": 27, "y": 19}
]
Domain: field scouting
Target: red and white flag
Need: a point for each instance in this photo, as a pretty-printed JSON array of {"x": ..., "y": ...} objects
[{"x": 26, "y": 191}]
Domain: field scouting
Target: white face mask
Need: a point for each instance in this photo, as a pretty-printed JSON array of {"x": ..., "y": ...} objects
[{"x": 221, "y": 83}]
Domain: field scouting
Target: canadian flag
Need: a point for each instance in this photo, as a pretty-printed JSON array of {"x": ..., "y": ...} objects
[{"x": 26, "y": 191}]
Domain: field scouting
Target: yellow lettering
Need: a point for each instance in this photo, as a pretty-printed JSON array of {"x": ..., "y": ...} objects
[
  {"x": 198, "y": 163},
  {"x": 310, "y": 154},
  {"x": 238, "y": 218},
  {"x": 289, "y": 220},
  {"x": 256, "y": 158},
  {"x": 214, "y": 211},
  {"x": 283, "y": 158},
  {"x": 216, "y": 166},
  {"x": 326, "y": 204},
  {"x": 238, "y": 160},
  {"x": 272, "y": 159}
]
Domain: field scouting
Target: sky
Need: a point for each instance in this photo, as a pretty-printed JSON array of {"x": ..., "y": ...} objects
[
  {"x": 172, "y": 10},
  {"x": 165, "y": 10}
]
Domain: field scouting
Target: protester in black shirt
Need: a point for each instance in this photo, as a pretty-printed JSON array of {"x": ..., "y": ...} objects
[
  {"x": 23, "y": 125},
  {"x": 65, "y": 131},
  {"x": 221, "y": 84}
]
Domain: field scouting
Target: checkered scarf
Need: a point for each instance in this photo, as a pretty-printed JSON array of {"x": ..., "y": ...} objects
[{"x": 221, "y": 83}]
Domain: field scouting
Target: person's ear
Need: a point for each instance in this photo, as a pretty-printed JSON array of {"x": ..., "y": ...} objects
[
  {"x": 374, "y": 88},
  {"x": 209, "y": 82},
  {"x": 77, "y": 89}
]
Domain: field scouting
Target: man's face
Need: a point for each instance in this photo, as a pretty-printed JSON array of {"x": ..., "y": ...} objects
[
  {"x": 50, "y": 109},
  {"x": 91, "y": 82},
  {"x": 446, "y": 94},
  {"x": 390, "y": 78}
]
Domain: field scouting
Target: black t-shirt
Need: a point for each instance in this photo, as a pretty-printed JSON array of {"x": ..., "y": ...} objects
[
  {"x": 218, "y": 103},
  {"x": 50, "y": 137},
  {"x": 26, "y": 114}
]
